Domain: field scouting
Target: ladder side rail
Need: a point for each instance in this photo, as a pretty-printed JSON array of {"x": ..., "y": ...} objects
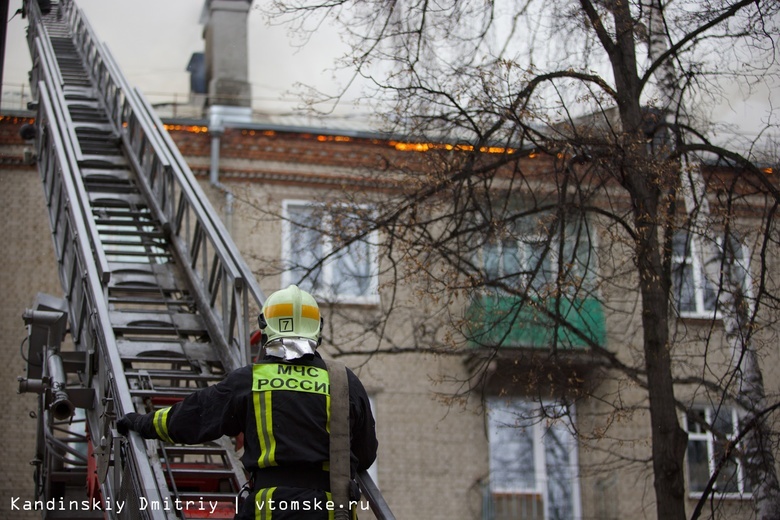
[
  {"x": 56, "y": 72},
  {"x": 255, "y": 294},
  {"x": 208, "y": 268},
  {"x": 33, "y": 26},
  {"x": 218, "y": 283},
  {"x": 195, "y": 222},
  {"x": 206, "y": 233},
  {"x": 37, "y": 28},
  {"x": 45, "y": 71},
  {"x": 234, "y": 311},
  {"x": 89, "y": 316},
  {"x": 48, "y": 61},
  {"x": 375, "y": 499},
  {"x": 86, "y": 41}
]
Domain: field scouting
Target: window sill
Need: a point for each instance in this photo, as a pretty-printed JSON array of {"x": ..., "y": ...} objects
[
  {"x": 357, "y": 301},
  {"x": 742, "y": 497},
  {"x": 700, "y": 316}
]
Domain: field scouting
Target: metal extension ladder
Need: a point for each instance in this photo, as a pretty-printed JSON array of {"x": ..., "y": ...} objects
[{"x": 157, "y": 297}]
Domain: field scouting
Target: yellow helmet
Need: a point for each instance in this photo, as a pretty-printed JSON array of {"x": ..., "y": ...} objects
[{"x": 291, "y": 313}]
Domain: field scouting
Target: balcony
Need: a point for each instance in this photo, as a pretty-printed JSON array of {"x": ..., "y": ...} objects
[
  {"x": 512, "y": 506},
  {"x": 509, "y": 321}
]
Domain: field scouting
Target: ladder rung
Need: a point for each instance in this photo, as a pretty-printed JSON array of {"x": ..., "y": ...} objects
[
  {"x": 130, "y": 300},
  {"x": 160, "y": 244},
  {"x": 173, "y": 375},
  {"x": 162, "y": 392},
  {"x": 150, "y": 351},
  {"x": 193, "y": 450},
  {"x": 203, "y": 473},
  {"x": 102, "y": 199},
  {"x": 106, "y": 175},
  {"x": 180, "y": 321}
]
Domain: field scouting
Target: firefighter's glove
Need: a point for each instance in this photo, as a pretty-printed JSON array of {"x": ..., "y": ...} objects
[{"x": 128, "y": 422}]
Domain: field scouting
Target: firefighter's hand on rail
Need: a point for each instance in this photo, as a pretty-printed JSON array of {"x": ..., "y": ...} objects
[{"x": 127, "y": 423}]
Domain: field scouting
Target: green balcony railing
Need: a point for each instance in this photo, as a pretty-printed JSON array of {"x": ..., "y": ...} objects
[{"x": 569, "y": 323}]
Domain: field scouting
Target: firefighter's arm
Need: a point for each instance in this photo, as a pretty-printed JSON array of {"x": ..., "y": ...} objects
[
  {"x": 202, "y": 416},
  {"x": 149, "y": 426}
]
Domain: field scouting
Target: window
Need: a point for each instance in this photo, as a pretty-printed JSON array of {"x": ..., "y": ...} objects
[
  {"x": 695, "y": 293},
  {"x": 706, "y": 446},
  {"x": 518, "y": 262},
  {"x": 312, "y": 261},
  {"x": 527, "y": 256},
  {"x": 533, "y": 463}
]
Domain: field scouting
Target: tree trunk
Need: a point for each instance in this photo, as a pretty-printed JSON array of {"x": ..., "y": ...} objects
[
  {"x": 735, "y": 308},
  {"x": 669, "y": 441},
  {"x": 645, "y": 184}
]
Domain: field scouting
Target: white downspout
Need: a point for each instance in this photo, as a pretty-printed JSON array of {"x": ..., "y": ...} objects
[{"x": 214, "y": 180}]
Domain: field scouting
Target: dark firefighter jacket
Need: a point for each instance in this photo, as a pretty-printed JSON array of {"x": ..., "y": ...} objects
[{"x": 283, "y": 409}]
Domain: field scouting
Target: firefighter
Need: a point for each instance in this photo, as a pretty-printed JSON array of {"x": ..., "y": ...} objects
[{"x": 281, "y": 404}]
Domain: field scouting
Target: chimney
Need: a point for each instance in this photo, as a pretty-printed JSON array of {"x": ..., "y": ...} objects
[{"x": 226, "y": 61}]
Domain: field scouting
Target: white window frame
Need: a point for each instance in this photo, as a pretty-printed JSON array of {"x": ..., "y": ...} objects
[
  {"x": 524, "y": 258},
  {"x": 694, "y": 259},
  {"x": 708, "y": 437},
  {"x": 537, "y": 429},
  {"x": 371, "y": 297}
]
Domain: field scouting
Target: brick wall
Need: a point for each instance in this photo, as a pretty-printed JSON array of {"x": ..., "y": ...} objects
[
  {"x": 432, "y": 456},
  {"x": 28, "y": 267}
]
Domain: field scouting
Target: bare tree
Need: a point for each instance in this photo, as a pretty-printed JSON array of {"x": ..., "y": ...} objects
[{"x": 569, "y": 160}]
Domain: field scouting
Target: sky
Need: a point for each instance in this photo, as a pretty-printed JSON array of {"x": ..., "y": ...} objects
[{"x": 152, "y": 40}]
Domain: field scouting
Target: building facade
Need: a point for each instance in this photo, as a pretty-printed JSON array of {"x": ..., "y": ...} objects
[{"x": 444, "y": 453}]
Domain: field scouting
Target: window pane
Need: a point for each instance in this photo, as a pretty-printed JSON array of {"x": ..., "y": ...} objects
[
  {"x": 746, "y": 486},
  {"x": 706, "y": 449},
  {"x": 710, "y": 296},
  {"x": 727, "y": 480},
  {"x": 739, "y": 262},
  {"x": 682, "y": 273},
  {"x": 711, "y": 280},
  {"x": 512, "y": 464},
  {"x": 491, "y": 260},
  {"x": 538, "y": 263},
  {"x": 510, "y": 258},
  {"x": 698, "y": 465},
  {"x": 681, "y": 246},
  {"x": 306, "y": 246},
  {"x": 578, "y": 254},
  {"x": 351, "y": 271},
  {"x": 694, "y": 420},
  {"x": 724, "y": 422},
  {"x": 682, "y": 279},
  {"x": 557, "y": 450}
]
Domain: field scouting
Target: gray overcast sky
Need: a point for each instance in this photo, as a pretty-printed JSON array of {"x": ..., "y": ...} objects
[{"x": 153, "y": 40}]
